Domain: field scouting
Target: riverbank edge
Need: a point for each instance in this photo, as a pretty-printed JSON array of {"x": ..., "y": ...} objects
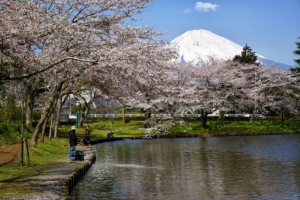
[
  {"x": 76, "y": 175},
  {"x": 185, "y": 135}
]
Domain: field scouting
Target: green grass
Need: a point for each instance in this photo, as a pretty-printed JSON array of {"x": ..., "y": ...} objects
[
  {"x": 135, "y": 128},
  {"x": 41, "y": 158},
  {"x": 239, "y": 127},
  {"x": 100, "y": 129}
]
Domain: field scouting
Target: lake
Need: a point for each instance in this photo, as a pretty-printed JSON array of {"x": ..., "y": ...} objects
[{"x": 239, "y": 167}]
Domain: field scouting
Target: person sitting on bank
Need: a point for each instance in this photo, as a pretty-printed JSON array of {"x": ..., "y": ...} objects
[
  {"x": 110, "y": 134},
  {"x": 87, "y": 132}
]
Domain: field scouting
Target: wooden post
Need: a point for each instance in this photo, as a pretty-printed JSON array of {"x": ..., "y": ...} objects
[
  {"x": 27, "y": 153},
  {"x": 21, "y": 151},
  {"x": 123, "y": 114}
]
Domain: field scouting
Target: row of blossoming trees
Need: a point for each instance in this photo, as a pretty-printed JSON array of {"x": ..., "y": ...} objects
[{"x": 51, "y": 49}]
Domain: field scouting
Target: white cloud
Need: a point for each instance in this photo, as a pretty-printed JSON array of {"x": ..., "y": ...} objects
[
  {"x": 187, "y": 11},
  {"x": 205, "y": 7}
]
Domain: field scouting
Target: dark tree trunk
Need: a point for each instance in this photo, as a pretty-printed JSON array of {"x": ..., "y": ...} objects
[
  {"x": 147, "y": 113},
  {"x": 204, "y": 114}
]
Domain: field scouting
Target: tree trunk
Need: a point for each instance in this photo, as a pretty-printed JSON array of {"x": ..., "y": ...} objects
[
  {"x": 123, "y": 114},
  {"x": 56, "y": 118},
  {"x": 252, "y": 117},
  {"x": 50, "y": 106},
  {"x": 204, "y": 118},
  {"x": 221, "y": 117},
  {"x": 282, "y": 119},
  {"x": 62, "y": 99},
  {"x": 32, "y": 89},
  {"x": 27, "y": 153},
  {"x": 56, "y": 123},
  {"x": 44, "y": 130},
  {"x": 52, "y": 119},
  {"x": 147, "y": 113},
  {"x": 29, "y": 111},
  {"x": 84, "y": 114}
]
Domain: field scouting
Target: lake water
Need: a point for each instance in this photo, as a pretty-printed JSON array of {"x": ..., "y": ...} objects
[{"x": 247, "y": 167}]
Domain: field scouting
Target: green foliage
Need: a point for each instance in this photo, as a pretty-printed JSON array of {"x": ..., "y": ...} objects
[
  {"x": 246, "y": 57},
  {"x": 4, "y": 129},
  {"x": 297, "y": 52},
  {"x": 9, "y": 133},
  {"x": 74, "y": 109},
  {"x": 36, "y": 115},
  {"x": 8, "y": 109},
  {"x": 297, "y": 61}
]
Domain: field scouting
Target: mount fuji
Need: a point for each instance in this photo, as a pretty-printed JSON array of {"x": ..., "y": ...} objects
[{"x": 196, "y": 44}]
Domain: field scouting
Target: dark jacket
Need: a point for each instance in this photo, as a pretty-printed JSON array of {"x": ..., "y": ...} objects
[
  {"x": 72, "y": 138},
  {"x": 110, "y": 134}
]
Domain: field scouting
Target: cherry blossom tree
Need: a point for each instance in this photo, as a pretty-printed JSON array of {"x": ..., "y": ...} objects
[
  {"x": 159, "y": 96},
  {"x": 93, "y": 35},
  {"x": 281, "y": 92},
  {"x": 216, "y": 85},
  {"x": 42, "y": 34}
]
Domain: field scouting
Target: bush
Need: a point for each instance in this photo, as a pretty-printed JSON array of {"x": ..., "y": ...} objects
[
  {"x": 9, "y": 133},
  {"x": 4, "y": 129}
]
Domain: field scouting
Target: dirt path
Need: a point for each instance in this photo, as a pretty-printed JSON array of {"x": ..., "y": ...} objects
[
  {"x": 49, "y": 184},
  {"x": 9, "y": 154}
]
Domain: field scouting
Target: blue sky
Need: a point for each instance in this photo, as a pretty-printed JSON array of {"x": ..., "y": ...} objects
[{"x": 269, "y": 27}]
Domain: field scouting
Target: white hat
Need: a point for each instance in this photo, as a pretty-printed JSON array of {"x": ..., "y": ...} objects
[{"x": 73, "y": 128}]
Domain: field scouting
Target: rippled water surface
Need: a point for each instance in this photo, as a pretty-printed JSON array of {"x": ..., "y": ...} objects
[{"x": 249, "y": 167}]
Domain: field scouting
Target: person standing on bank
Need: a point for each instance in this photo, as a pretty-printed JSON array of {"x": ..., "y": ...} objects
[{"x": 72, "y": 142}]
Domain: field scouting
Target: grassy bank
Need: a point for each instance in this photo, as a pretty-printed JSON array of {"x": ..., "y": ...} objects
[
  {"x": 46, "y": 154},
  {"x": 135, "y": 128}
]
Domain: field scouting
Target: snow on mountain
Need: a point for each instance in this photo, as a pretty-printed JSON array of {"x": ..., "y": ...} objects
[{"x": 196, "y": 44}]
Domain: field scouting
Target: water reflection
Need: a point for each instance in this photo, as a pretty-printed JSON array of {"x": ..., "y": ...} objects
[{"x": 252, "y": 167}]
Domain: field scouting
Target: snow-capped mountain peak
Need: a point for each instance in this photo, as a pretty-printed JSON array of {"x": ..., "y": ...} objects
[{"x": 196, "y": 44}]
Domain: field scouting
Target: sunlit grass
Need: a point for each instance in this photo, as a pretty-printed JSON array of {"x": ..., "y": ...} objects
[
  {"x": 135, "y": 128},
  {"x": 101, "y": 128},
  {"x": 42, "y": 157},
  {"x": 240, "y": 127}
]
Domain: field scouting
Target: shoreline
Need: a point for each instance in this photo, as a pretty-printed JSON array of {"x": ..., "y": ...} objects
[
  {"x": 186, "y": 135},
  {"x": 58, "y": 182}
]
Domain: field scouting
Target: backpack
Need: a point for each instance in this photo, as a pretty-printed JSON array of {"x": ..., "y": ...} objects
[{"x": 79, "y": 155}]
